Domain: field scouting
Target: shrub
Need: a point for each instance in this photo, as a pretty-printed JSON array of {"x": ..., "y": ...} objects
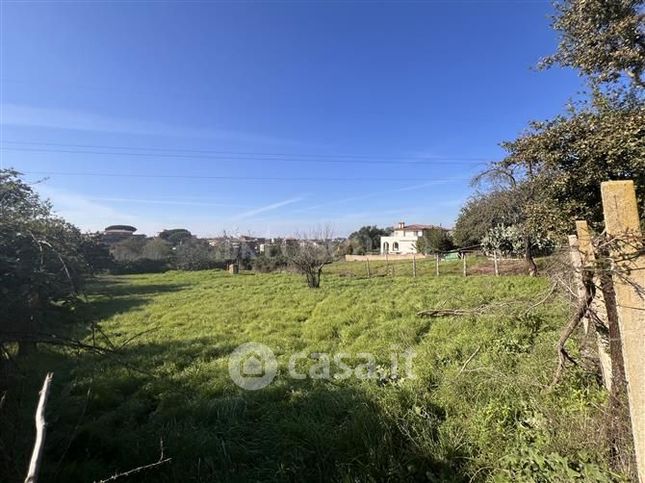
[
  {"x": 140, "y": 265},
  {"x": 264, "y": 264},
  {"x": 195, "y": 255},
  {"x": 510, "y": 241}
]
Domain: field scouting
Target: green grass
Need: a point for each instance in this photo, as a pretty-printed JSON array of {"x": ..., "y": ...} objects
[{"x": 488, "y": 420}]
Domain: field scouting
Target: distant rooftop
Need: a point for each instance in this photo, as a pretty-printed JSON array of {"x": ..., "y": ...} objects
[
  {"x": 416, "y": 227},
  {"x": 421, "y": 227},
  {"x": 128, "y": 228}
]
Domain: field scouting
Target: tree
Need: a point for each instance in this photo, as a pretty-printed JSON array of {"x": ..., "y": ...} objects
[
  {"x": 434, "y": 240},
  {"x": 310, "y": 254},
  {"x": 157, "y": 249},
  {"x": 483, "y": 212},
  {"x": 603, "y": 39},
  {"x": 510, "y": 241},
  {"x": 194, "y": 255},
  {"x": 41, "y": 263},
  {"x": 556, "y": 166},
  {"x": 129, "y": 249},
  {"x": 572, "y": 154},
  {"x": 176, "y": 236},
  {"x": 96, "y": 253},
  {"x": 367, "y": 239}
]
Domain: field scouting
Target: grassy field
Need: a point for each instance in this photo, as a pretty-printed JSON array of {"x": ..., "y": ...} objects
[{"x": 475, "y": 410}]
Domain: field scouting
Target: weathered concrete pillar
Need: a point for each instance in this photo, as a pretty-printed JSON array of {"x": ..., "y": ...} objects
[
  {"x": 576, "y": 264},
  {"x": 623, "y": 224}
]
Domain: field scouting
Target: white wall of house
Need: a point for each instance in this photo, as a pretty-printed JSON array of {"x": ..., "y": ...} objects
[{"x": 401, "y": 241}]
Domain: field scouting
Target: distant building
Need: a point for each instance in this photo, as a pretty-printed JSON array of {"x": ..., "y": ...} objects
[
  {"x": 237, "y": 247},
  {"x": 403, "y": 241},
  {"x": 116, "y": 233}
]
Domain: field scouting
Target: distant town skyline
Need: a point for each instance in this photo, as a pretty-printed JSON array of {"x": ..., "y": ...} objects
[{"x": 268, "y": 118}]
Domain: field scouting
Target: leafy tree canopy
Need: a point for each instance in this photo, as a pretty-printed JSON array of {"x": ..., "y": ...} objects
[
  {"x": 367, "y": 238},
  {"x": 483, "y": 211},
  {"x": 434, "y": 240},
  {"x": 41, "y": 260},
  {"x": 176, "y": 235},
  {"x": 572, "y": 154},
  {"x": 603, "y": 39}
]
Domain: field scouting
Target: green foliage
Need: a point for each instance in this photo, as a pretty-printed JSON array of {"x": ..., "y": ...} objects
[
  {"x": 366, "y": 239},
  {"x": 96, "y": 253},
  {"x": 140, "y": 265},
  {"x": 571, "y": 155},
  {"x": 194, "y": 255},
  {"x": 531, "y": 466},
  {"x": 434, "y": 240},
  {"x": 129, "y": 249},
  {"x": 41, "y": 259},
  {"x": 603, "y": 39},
  {"x": 265, "y": 264},
  {"x": 555, "y": 168},
  {"x": 176, "y": 236},
  {"x": 157, "y": 249},
  {"x": 483, "y": 212},
  {"x": 511, "y": 241}
]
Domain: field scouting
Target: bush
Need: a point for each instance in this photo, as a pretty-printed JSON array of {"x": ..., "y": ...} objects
[
  {"x": 509, "y": 241},
  {"x": 264, "y": 264},
  {"x": 140, "y": 265},
  {"x": 434, "y": 240},
  {"x": 195, "y": 255}
]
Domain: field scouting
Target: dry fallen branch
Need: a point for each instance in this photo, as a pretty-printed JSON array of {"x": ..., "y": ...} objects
[
  {"x": 450, "y": 312},
  {"x": 472, "y": 356},
  {"x": 34, "y": 464},
  {"x": 581, "y": 311},
  {"x": 162, "y": 460},
  {"x": 57, "y": 340},
  {"x": 542, "y": 300},
  {"x": 480, "y": 310}
]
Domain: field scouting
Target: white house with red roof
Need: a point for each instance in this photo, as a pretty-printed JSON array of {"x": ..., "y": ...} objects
[{"x": 403, "y": 240}]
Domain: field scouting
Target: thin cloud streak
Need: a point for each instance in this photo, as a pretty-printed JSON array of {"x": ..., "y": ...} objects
[
  {"x": 263, "y": 209},
  {"x": 169, "y": 202},
  {"x": 379, "y": 193},
  {"x": 31, "y": 116}
]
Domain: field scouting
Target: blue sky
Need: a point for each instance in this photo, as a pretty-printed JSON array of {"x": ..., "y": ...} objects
[{"x": 268, "y": 118}]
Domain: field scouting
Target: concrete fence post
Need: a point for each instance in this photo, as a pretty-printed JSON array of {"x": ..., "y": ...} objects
[
  {"x": 464, "y": 260},
  {"x": 496, "y": 263},
  {"x": 436, "y": 263},
  {"x": 623, "y": 224}
]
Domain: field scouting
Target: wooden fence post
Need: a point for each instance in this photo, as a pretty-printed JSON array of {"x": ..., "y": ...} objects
[
  {"x": 387, "y": 265},
  {"x": 368, "y": 267},
  {"x": 622, "y": 221},
  {"x": 436, "y": 263},
  {"x": 414, "y": 265}
]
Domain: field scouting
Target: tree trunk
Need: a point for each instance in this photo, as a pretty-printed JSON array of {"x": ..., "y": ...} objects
[{"x": 528, "y": 256}]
